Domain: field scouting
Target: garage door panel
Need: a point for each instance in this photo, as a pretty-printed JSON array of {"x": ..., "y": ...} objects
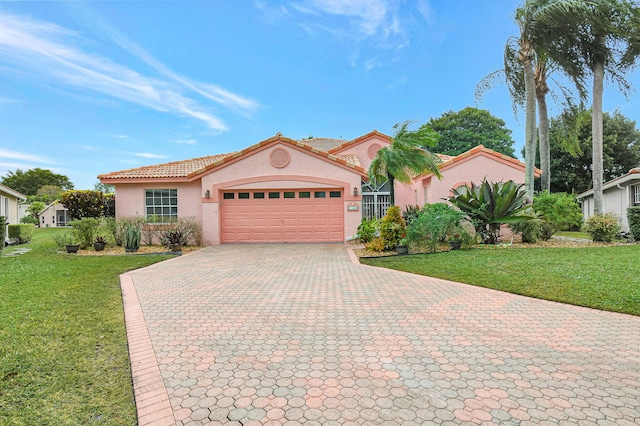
[{"x": 282, "y": 219}]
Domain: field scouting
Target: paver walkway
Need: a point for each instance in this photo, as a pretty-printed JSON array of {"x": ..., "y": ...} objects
[{"x": 270, "y": 334}]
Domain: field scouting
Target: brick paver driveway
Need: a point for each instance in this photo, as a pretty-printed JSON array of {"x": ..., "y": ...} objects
[{"x": 269, "y": 334}]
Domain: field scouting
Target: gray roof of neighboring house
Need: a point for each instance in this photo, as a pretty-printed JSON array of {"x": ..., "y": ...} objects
[{"x": 631, "y": 175}]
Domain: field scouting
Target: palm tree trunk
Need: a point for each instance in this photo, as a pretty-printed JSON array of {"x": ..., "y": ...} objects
[
  {"x": 530, "y": 127},
  {"x": 392, "y": 191},
  {"x": 597, "y": 135},
  {"x": 545, "y": 150}
]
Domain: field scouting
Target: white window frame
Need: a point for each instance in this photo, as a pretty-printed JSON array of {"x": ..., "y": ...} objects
[
  {"x": 635, "y": 195},
  {"x": 161, "y": 205}
]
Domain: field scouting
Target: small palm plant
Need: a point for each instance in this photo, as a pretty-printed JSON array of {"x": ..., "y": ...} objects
[{"x": 490, "y": 205}]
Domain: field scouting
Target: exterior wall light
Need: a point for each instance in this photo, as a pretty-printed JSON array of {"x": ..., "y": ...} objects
[
  {"x": 207, "y": 194},
  {"x": 355, "y": 191}
]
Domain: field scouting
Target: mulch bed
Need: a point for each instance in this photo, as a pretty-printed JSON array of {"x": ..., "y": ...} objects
[
  {"x": 113, "y": 250},
  {"x": 554, "y": 242}
]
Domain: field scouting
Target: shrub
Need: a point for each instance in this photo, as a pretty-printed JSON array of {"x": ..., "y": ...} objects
[
  {"x": 410, "y": 213},
  {"x": 376, "y": 244},
  {"x": 392, "y": 228},
  {"x": 64, "y": 239},
  {"x": 192, "y": 229},
  {"x": 602, "y": 227},
  {"x": 433, "y": 224},
  {"x": 84, "y": 203},
  {"x": 22, "y": 233},
  {"x": 2, "y": 232},
  {"x": 529, "y": 230},
  {"x": 633, "y": 217},
  {"x": 86, "y": 230},
  {"x": 29, "y": 220},
  {"x": 367, "y": 230},
  {"x": 560, "y": 210}
]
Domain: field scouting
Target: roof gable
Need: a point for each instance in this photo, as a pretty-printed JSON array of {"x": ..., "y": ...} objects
[
  {"x": 480, "y": 150},
  {"x": 359, "y": 140},
  {"x": 189, "y": 170}
]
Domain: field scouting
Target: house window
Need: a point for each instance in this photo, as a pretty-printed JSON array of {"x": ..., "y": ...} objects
[
  {"x": 335, "y": 194},
  {"x": 636, "y": 195},
  {"x": 274, "y": 195},
  {"x": 304, "y": 194},
  {"x": 258, "y": 195},
  {"x": 228, "y": 196},
  {"x": 319, "y": 194},
  {"x": 243, "y": 195},
  {"x": 289, "y": 195},
  {"x": 161, "y": 205}
]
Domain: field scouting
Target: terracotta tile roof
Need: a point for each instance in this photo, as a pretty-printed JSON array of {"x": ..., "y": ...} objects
[
  {"x": 357, "y": 140},
  {"x": 350, "y": 158},
  {"x": 175, "y": 169},
  {"x": 324, "y": 144},
  {"x": 190, "y": 169}
]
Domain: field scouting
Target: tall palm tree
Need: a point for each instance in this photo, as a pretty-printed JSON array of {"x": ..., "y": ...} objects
[
  {"x": 526, "y": 56},
  {"x": 591, "y": 38},
  {"x": 406, "y": 157}
]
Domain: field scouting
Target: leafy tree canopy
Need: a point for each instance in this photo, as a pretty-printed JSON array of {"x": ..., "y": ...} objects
[
  {"x": 571, "y": 150},
  {"x": 105, "y": 188},
  {"x": 460, "y": 131},
  {"x": 32, "y": 180}
]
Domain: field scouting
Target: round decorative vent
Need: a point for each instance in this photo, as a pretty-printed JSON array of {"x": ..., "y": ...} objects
[
  {"x": 279, "y": 158},
  {"x": 373, "y": 150}
]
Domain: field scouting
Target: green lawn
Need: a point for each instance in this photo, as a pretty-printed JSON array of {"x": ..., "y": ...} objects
[
  {"x": 63, "y": 347},
  {"x": 605, "y": 277}
]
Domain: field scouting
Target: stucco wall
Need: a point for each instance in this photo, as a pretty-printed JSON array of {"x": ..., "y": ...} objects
[
  {"x": 256, "y": 171},
  {"x": 130, "y": 198},
  {"x": 614, "y": 200},
  {"x": 474, "y": 170},
  {"x": 362, "y": 150}
]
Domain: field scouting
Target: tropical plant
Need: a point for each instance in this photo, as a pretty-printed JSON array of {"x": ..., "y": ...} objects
[
  {"x": 590, "y": 38},
  {"x": 84, "y": 203},
  {"x": 392, "y": 228},
  {"x": 132, "y": 235},
  {"x": 405, "y": 158},
  {"x": 529, "y": 230},
  {"x": 410, "y": 213},
  {"x": 490, "y": 205},
  {"x": 367, "y": 230},
  {"x": 433, "y": 224},
  {"x": 86, "y": 230},
  {"x": 64, "y": 239}
]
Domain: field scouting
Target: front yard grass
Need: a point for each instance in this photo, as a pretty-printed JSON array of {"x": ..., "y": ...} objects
[
  {"x": 63, "y": 346},
  {"x": 606, "y": 277}
]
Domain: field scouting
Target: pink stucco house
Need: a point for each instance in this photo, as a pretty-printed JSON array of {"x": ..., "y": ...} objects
[{"x": 285, "y": 190}]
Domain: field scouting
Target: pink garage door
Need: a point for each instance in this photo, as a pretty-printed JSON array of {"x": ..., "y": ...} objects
[{"x": 281, "y": 216}]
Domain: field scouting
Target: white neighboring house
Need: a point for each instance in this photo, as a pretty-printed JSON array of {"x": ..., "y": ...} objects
[
  {"x": 618, "y": 194},
  {"x": 9, "y": 201},
  {"x": 54, "y": 215}
]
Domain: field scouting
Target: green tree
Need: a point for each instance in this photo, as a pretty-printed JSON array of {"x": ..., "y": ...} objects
[
  {"x": 591, "y": 38},
  {"x": 105, "y": 188},
  {"x": 405, "y": 158},
  {"x": 32, "y": 180},
  {"x": 571, "y": 153},
  {"x": 460, "y": 131}
]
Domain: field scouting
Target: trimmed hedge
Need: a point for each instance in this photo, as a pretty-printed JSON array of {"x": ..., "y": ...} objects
[
  {"x": 633, "y": 217},
  {"x": 2, "y": 232},
  {"x": 23, "y": 233}
]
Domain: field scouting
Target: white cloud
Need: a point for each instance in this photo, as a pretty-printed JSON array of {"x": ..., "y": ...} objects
[
  {"x": 48, "y": 52},
  {"x": 147, "y": 155},
  {"x": 15, "y": 155},
  {"x": 185, "y": 141}
]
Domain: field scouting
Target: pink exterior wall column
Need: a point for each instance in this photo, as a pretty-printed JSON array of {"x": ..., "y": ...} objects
[{"x": 130, "y": 198}]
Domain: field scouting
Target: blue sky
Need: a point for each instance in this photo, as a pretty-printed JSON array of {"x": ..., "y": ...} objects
[{"x": 93, "y": 87}]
